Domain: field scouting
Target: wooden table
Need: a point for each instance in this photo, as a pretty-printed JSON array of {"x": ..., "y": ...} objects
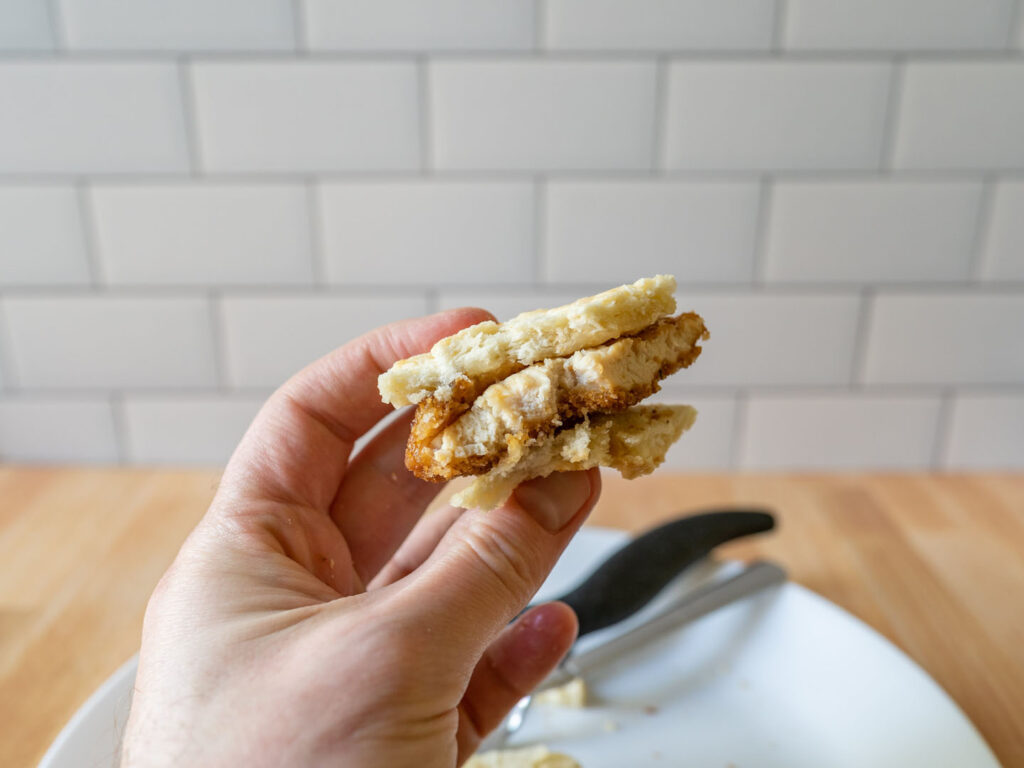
[{"x": 935, "y": 563}]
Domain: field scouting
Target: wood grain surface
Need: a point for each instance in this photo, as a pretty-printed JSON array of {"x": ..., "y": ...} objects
[{"x": 934, "y": 562}]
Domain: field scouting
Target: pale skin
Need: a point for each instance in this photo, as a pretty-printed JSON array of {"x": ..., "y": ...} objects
[{"x": 316, "y": 617}]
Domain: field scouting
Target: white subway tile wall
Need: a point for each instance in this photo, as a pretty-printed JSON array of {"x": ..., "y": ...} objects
[
  {"x": 306, "y": 116},
  {"x": 898, "y": 25},
  {"x": 185, "y": 430},
  {"x": 840, "y": 431},
  {"x": 26, "y": 26},
  {"x": 1004, "y": 257},
  {"x": 871, "y": 231},
  {"x": 184, "y": 25},
  {"x": 203, "y": 234},
  {"x": 53, "y": 430},
  {"x": 268, "y": 338},
  {"x": 468, "y": 232},
  {"x": 766, "y": 114},
  {"x": 195, "y": 204},
  {"x": 542, "y": 114},
  {"x": 607, "y": 232},
  {"x": 414, "y": 25},
  {"x": 41, "y": 237}
]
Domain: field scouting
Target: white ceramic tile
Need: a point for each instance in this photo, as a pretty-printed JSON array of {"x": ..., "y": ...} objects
[
  {"x": 182, "y": 25},
  {"x": 986, "y": 432},
  {"x": 307, "y": 116},
  {"x": 961, "y": 114},
  {"x": 91, "y": 117},
  {"x": 269, "y": 338},
  {"x": 25, "y": 26},
  {"x": 897, "y": 24},
  {"x": 839, "y": 431},
  {"x": 871, "y": 230},
  {"x": 946, "y": 338},
  {"x": 399, "y": 25},
  {"x": 614, "y": 231},
  {"x": 203, "y": 233},
  {"x": 110, "y": 341},
  {"x": 707, "y": 446},
  {"x": 41, "y": 237},
  {"x": 47, "y": 431},
  {"x": 1004, "y": 257},
  {"x": 424, "y": 232},
  {"x": 773, "y": 338},
  {"x": 514, "y": 114},
  {"x": 186, "y": 430},
  {"x": 776, "y": 115},
  {"x": 659, "y": 24},
  {"x": 507, "y": 304}
]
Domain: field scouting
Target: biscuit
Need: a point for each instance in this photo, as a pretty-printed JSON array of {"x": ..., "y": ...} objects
[
  {"x": 633, "y": 441},
  {"x": 546, "y": 395},
  {"x": 461, "y": 366}
]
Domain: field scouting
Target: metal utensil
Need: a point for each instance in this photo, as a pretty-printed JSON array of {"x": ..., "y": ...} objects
[
  {"x": 687, "y": 608},
  {"x": 633, "y": 575}
]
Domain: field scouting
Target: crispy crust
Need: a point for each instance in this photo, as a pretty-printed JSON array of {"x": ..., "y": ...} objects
[
  {"x": 633, "y": 441},
  {"x": 456, "y": 437},
  {"x": 488, "y": 352}
]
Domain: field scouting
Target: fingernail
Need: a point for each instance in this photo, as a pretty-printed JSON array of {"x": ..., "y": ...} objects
[{"x": 554, "y": 500}]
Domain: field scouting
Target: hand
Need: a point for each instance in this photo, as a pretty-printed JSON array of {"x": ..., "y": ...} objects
[{"x": 313, "y": 617}]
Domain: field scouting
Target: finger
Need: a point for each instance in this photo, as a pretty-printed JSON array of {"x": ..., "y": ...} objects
[
  {"x": 380, "y": 500},
  {"x": 490, "y": 564},
  {"x": 297, "y": 448},
  {"x": 417, "y": 547},
  {"x": 514, "y": 664}
]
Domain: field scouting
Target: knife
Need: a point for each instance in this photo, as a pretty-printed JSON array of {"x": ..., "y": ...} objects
[
  {"x": 631, "y": 577},
  {"x": 686, "y": 608}
]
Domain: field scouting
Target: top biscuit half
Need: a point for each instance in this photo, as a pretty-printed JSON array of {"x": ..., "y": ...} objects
[{"x": 464, "y": 364}]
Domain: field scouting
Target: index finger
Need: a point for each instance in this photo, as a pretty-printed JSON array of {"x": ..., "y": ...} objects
[{"x": 297, "y": 448}]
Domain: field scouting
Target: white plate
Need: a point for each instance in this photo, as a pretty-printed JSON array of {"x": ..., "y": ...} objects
[{"x": 783, "y": 678}]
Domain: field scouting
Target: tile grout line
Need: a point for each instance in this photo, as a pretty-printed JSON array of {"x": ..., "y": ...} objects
[
  {"x": 218, "y": 338},
  {"x": 190, "y": 115},
  {"x": 9, "y": 385},
  {"x": 736, "y": 288},
  {"x": 739, "y": 428},
  {"x": 1015, "y": 19},
  {"x": 891, "y": 120},
  {"x": 314, "y": 220},
  {"x": 426, "y": 133},
  {"x": 540, "y": 231},
  {"x": 693, "y": 175},
  {"x": 118, "y": 416},
  {"x": 818, "y": 56},
  {"x": 779, "y": 27},
  {"x": 57, "y": 26},
  {"x": 90, "y": 235},
  {"x": 766, "y": 194},
  {"x": 659, "y": 150},
  {"x": 943, "y": 429},
  {"x": 433, "y": 300},
  {"x": 908, "y": 390},
  {"x": 860, "y": 339},
  {"x": 983, "y": 227},
  {"x": 540, "y": 27},
  {"x": 299, "y": 22}
]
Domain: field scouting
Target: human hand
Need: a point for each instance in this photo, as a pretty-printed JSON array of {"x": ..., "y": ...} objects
[{"x": 313, "y": 617}]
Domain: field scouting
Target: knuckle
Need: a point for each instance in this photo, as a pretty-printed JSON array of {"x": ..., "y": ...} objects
[{"x": 514, "y": 567}]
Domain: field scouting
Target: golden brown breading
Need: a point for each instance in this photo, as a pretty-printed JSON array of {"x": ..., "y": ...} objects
[
  {"x": 633, "y": 441},
  {"x": 455, "y": 437},
  {"x": 489, "y": 351}
]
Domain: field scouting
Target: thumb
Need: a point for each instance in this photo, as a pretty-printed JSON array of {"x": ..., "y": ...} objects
[{"x": 490, "y": 564}]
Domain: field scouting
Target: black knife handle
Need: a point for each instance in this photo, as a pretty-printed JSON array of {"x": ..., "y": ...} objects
[{"x": 631, "y": 577}]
